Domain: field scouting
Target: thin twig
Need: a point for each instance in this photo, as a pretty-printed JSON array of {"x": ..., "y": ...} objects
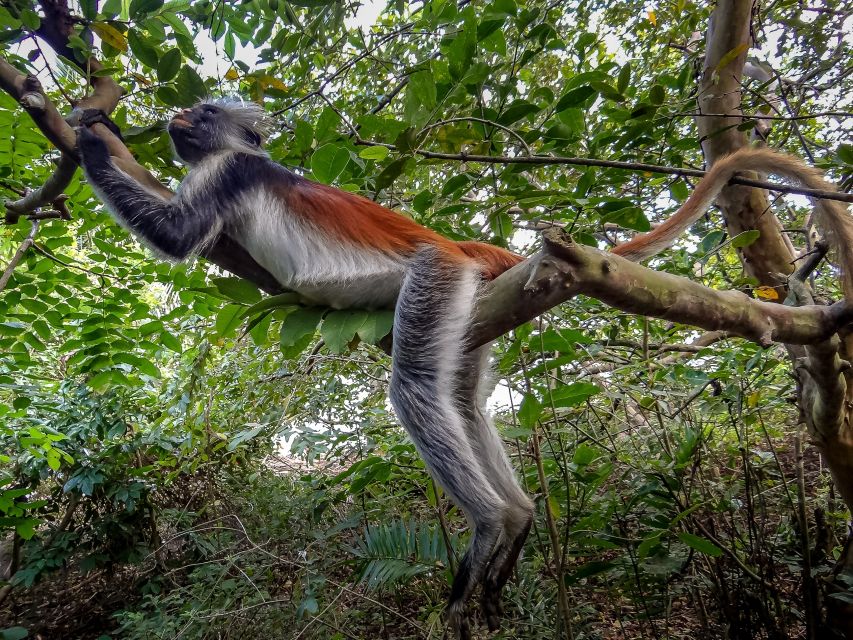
[
  {"x": 490, "y": 123},
  {"x": 614, "y": 164},
  {"x": 19, "y": 254}
]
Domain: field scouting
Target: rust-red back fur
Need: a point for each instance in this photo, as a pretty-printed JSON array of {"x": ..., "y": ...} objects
[{"x": 352, "y": 218}]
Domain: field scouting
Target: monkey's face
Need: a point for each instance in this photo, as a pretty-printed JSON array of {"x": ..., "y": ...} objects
[{"x": 210, "y": 128}]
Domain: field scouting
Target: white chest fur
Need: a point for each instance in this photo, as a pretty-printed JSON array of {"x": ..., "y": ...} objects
[{"x": 305, "y": 259}]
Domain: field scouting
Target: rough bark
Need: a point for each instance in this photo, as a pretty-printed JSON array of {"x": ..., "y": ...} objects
[{"x": 822, "y": 370}]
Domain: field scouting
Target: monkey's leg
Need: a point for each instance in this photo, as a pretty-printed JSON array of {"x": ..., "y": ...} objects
[
  {"x": 431, "y": 321},
  {"x": 474, "y": 389}
]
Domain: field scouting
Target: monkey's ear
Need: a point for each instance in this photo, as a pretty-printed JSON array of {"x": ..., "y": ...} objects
[{"x": 253, "y": 138}]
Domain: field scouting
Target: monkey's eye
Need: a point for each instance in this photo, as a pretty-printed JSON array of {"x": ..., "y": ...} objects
[{"x": 209, "y": 109}]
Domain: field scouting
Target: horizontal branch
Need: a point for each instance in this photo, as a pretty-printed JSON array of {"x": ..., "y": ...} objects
[
  {"x": 565, "y": 269},
  {"x": 543, "y": 160}
]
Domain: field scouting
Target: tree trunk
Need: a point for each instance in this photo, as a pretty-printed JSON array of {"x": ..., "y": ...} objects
[{"x": 822, "y": 370}]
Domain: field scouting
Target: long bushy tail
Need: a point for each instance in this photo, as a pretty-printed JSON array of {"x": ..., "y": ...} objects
[{"x": 831, "y": 216}]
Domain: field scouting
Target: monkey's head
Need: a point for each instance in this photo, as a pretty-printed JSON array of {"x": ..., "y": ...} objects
[{"x": 212, "y": 126}]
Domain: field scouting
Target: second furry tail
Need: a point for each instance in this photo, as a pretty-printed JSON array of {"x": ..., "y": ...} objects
[{"x": 831, "y": 216}]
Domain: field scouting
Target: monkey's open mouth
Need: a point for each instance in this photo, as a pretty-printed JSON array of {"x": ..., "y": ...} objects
[{"x": 178, "y": 121}]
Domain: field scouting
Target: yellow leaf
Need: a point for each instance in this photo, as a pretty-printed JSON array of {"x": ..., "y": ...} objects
[
  {"x": 232, "y": 74},
  {"x": 141, "y": 79},
  {"x": 275, "y": 83},
  {"x": 554, "y": 506},
  {"x": 110, "y": 35},
  {"x": 653, "y": 18},
  {"x": 767, "y": 293},
  {"x": 732, "y": 55},
  {"x": 752, "y": 399}
]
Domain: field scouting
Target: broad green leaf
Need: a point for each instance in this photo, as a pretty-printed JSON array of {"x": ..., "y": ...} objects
[
  {"x": 340, "y": 328},
  {"x": 624, "y": 78},
  {"x": 517, "y": 110},
  {"x": 89, "y": 8},
  {"x": 300, "y": 323},
  {"x": 745, "y": 238},
  {"x": 575, "y": 97},
  {"x": 141, "y": 7},
  {"x": 191, "y": 87},
  {"x": 376, "y": 326},
  {"x": 273, "y": 302},
  {"x": 374, "y": 153},
  {"x": 238, "y": 290},
  {"x": 702, "y": 545},
  {"x": 169, "y": 65},
  {"x": 529, "y": 411},
  {"x": 573, "y": 394},
  {"x": 228, "y": 319},
  {"x": 328, "y": 162}
]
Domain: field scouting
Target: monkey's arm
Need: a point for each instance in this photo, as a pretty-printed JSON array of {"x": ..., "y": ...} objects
[{"x": 173, "y": 227}]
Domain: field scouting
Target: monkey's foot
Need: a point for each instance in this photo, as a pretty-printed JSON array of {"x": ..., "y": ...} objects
[
  {"x": 458, "y": 626},
  {"x": 491, "y": 604}
]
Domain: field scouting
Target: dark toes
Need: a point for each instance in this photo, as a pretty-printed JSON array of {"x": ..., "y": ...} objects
[
  {"x": 492, "y": 607},
  {"x": 464, "y": 628}
]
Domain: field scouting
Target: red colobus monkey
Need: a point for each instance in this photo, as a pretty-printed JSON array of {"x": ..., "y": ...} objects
[{"x": 344, "y": 251}]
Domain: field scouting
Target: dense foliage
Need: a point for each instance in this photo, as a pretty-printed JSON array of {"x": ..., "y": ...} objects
[{"x": 182, "y": 457}]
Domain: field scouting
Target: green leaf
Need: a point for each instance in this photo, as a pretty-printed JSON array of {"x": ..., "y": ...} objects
[
  {"x": 607, "y": 91},
  {"x": 238, "y": 290},
  {"x": 169, "y": 65},
  {"x": 529, "y": 411},
  {"x": 14, "y": 633},
  {"x": 624, "y": 78},
  {"x": 376, "y": 326},
  {"x": 629, "y": 218},
  {"x": 244, "y": 436},
  {"x": 701, "y": 545},
  {"x": 574, "y": 98},
  {"x": 845, "y": 153},
  {"x": 745, "y": 238},
  {"x": 340, "y": 328},
  {"x": 142, "y": 364},
  {"x": 422, "y": 88},
  {"x": 191, "y": 87},
  {"x": 299, "y": 324},
  {"x": 273, "y": 302},
  {"x": 588, "y": 570},
  {"x": 89, "y": 8},
  {"x": 585, "y": 455},
  {"x": 374, "y": 153},
  {"x": 517, "y": 110},
  {"x": 228, "y": 319},
  {"x": 573, "y": 394},
  {"x": 657, "y": 94},
  {"x": 679, "y": 191},
  {"x": 170, "y": 342},
  {"x": 141, "y": 7},
  {"x": 328, "y": 162}
]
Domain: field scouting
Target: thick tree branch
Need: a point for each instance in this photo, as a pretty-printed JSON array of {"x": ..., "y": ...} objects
[{"x": 565, "y": 269}]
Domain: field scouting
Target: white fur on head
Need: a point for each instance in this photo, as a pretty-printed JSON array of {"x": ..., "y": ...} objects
[{"x": 245, "y": 113}]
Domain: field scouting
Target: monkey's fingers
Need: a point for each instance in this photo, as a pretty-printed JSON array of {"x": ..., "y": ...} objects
[{"x": 90, "y": 117}]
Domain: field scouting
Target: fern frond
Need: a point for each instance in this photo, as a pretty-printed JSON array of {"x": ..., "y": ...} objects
[{"x": 395, "y": 552}]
